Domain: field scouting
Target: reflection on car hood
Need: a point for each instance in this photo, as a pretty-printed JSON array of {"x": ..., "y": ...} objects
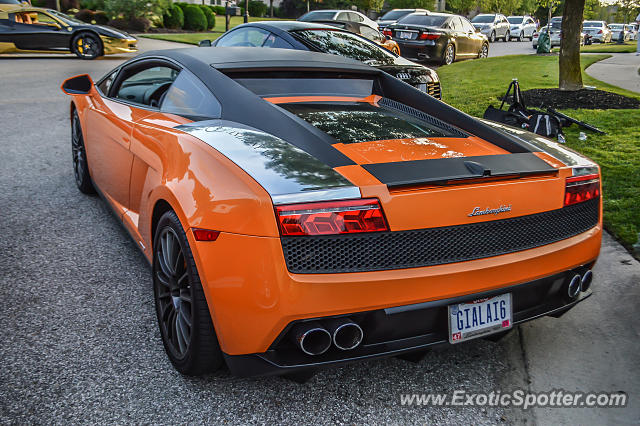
[
  {"x": 411, "y": 73},
  {"x": 106, "y": 31}
]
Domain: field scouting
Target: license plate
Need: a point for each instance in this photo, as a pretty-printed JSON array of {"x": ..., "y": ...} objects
[
  {"x": 405, "y": 35},
  {"x": 480, "y": 318}
]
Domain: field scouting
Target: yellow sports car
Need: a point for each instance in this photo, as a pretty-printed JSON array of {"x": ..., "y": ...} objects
[{"x": 32, "y": 29}]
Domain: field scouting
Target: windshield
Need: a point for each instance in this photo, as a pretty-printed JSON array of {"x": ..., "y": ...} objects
[
  {"x": 426, "y": 20},
  {"x": 515, "y": 19},
  {"x": 66, "y": 18},
  {"x": 592, "y": 24},
  {"x": 347, "y": 44},
  {"x": 484, "y": 19},
  {"x": 9, "y": 2},
  {"x": 615, "y": 26},
  {"x": 363, "y": 122},
  {"x": 317, "y": 16},
  {"x": 394, "y": 15}
]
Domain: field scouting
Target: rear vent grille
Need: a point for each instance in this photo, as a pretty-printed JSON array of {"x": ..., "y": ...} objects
[
  {"x": 433, "y": 89},
  {"x": 454, "y": 131},
  {"x": 435, "y": 246}
]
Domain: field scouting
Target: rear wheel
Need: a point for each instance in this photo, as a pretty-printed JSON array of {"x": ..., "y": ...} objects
[
  {"x": 484, "y": 51},
  {"x": 449, "y": 55},
  {"x": 507, "y": 36},
  {"x": 183, "y": 314},
  {"x": 492, "y": 37},
  {"x": 80, "y": 167},
  {"x": 521, "y": 37},
  {"x": 86, "y": 46}
]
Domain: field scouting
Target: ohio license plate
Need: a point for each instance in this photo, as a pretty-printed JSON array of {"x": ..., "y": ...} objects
[
  {"x": 480, "y": 318},
  {"x": 405, "y": 34}
]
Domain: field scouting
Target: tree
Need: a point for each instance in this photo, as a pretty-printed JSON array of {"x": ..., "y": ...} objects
[
  {"x": 411, "y": 4},
  {"x": 131, "y": 9},
  {"x": 570, "y": 75},
  {"x": 462, "y": 7},
  {"x": 627, "y": 10}
]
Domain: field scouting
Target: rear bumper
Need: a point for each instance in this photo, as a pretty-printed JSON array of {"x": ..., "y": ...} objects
[
  {"x": 397, "y": 330},
  {"x": 419, "y": 50}
]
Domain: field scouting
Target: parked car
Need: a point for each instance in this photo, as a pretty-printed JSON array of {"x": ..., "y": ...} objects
[
  {"x": 338, "y": 15},
  {"x": 522, "y": 27},
  {"x": 494, "y": 26},
  {"x": 6, "y": 5},
  {"x": 393, "y": 16},
  {"x": 367, "y": 32},
  {"x": 439, "y": 37},
  {"x": 626, "y": 30},
  {"x": 32, "y": 29},
  {"x": 556, "y": 29},
  {"x": 598, "y": 30},
  {"x": 295, "y": 219},
  {"x": 328, "y": 39}
]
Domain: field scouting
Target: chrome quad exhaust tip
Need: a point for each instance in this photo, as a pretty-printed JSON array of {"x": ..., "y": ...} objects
[
  {"x": 345, "y": 333},
  {"x": 312, "y": 338},
  {"x": 573, "y": 289},
  {"x": 586, "y": 281}
]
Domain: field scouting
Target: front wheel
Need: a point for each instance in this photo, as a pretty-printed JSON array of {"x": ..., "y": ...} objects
[
  {"x": 492, "y": 37},
  {"x": 507, "y": 36},
  {"x": 484, "y": 51},
  {"x": 183, "y": 314},
  {"x": 86, "y": 46},
  {"x": 80, "y": 167},
  {"x": 449, "y": 55},
  {"x": 521, "y": 37}
]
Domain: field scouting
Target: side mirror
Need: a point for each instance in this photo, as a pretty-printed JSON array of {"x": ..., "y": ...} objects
[
  {"x": 204, "y": 43},
  {"x": 78, "y": 85}
]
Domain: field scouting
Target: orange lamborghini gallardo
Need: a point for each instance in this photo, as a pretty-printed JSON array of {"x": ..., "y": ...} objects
[{"x": 302, "y": 210}]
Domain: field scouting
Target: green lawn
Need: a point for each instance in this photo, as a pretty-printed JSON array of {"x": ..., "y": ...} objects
[
  {"x": 194, "y": 38},
  {"x": 628, "y": 47},
  {"x": 472, "y": 85}
]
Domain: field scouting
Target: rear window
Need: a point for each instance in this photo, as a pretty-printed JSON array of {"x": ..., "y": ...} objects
[
  {"x": 355, "y": 122},
  {"x": 484, "y": 19},
  {"x": 592, "y": 24},
  {"x": 515, "y": 19},
  {"x": 317, "y": 16},
  {"x": 283, "y": 84},
  {"x": 394, "y": 15},
  {"x": 426, "y": 20}
]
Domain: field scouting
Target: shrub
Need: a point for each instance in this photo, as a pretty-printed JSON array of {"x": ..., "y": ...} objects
[
  {"x": 194, "y": 18},
  {"x": 100, "y": 17},
  {"x": 119, "y": 23},
  {"x": 211, "y": 17},
  {"x": 140, "y": 25},
  {"x": 257, "y": 8},
  {"x": 92, "y": 4},
  {"x": 219, "y": 10},
  {"x": 85, "y": 15},
  {"x": 173, "y": 17},
  {"x": 181, "y": 5},
  {"x": 129, "y": 9}
]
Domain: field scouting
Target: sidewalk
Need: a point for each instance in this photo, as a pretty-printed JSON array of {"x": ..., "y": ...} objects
[{"x": 620, "y": 70}]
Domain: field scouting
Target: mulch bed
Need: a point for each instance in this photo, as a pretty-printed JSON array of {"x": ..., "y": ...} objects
[{"x": 584, "y": 98}]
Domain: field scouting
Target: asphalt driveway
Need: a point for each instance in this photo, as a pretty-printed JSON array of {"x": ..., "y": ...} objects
[{"x": 79, "y": 341}]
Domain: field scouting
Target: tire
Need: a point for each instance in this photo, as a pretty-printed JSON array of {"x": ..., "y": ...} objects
[
  {"x": 507, "y": 36},
  {"x": 396, "y": 50},
  {"x": 182, "y": 311},
  {"x": 79, "y": 156},
  {"x": 484, "y": 51},
  {"x": 521, "y": 37},
  {"x": 449, "y": 55},
  {"x": 492, "y": 37},
  {"x": 86, "y": 46}
]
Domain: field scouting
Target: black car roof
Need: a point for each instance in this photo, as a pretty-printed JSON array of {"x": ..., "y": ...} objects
[
  {"x": 289, "y": 25},
  {"x": 258, "y": 58}
]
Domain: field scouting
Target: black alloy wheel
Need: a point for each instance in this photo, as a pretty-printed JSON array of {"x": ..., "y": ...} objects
[
  {"x": 449, "y": 55},
  {"x": 86, "y": 46},
  {"x": 183, "y": 314},
  {"x": 79, "y": 154}
]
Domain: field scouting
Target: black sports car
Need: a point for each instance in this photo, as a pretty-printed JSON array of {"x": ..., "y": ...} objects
[
  {"x": 328, "y": 39},
  {"x": 438, "y": 37},
  {"x": 32, "y": 29}
]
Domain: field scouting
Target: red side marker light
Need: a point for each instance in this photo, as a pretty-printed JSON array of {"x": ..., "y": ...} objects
[
  {"x": 387, "y": 32},
  {"x": 205, "y": 234},
  {"x": 330, "y": 218},
  {"x": 581, "y": 188}
]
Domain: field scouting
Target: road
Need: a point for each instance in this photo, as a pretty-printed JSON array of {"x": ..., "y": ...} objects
[
  {"x": 80, "y": 342},
  {"x": 500, "y": 48}
]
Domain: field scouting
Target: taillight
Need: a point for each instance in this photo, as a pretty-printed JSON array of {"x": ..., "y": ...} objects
[
  {"x": 429, "y": 36},
  {"x": 600, "y": 32},
  {"x": 205, "y": 234},
  {"x": 332, "y": 217},
  {"x": 581, "y": 188},
  {"x": 387, "y": 32}
]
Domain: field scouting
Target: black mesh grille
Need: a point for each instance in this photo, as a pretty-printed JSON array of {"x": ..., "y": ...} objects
[
  {"x": 435, "y": 246},
  {"x": 433, "y": 88},
  {"x": 454, "y": 131}
]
